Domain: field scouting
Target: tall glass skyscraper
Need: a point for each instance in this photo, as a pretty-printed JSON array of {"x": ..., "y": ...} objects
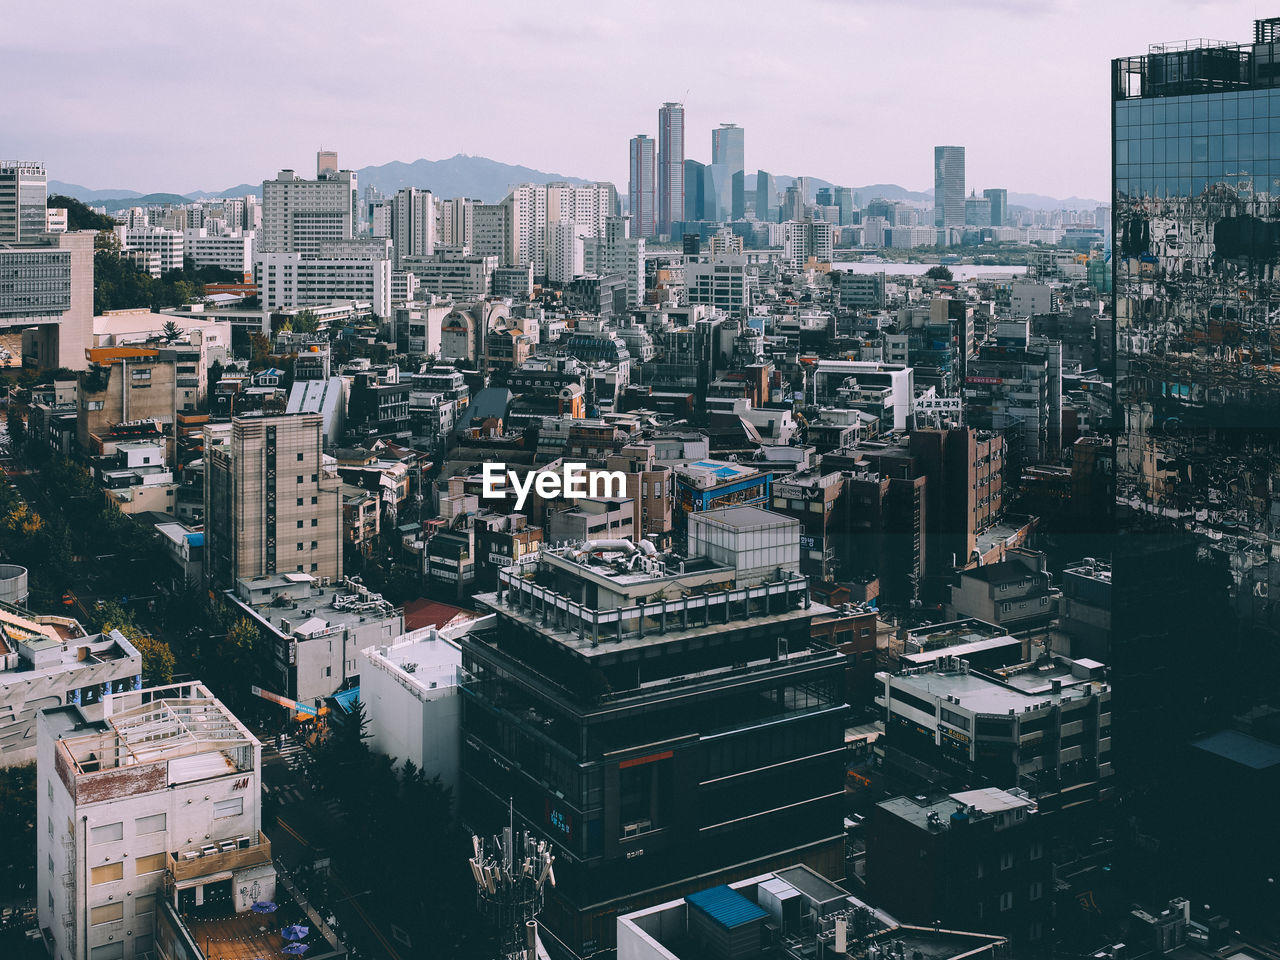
[
  {"x": 766, "y": 197},
  {"x": 642, "y": 194},
  {"x": 999, "y": 198},
  {"x": 728, "y": 146},
  {"x": 1196, "y": 268},
  {"x": 948, "y": 187},
  {"x": 670, "y": 165}
]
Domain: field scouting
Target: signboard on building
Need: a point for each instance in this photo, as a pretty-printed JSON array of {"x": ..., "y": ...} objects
[{"x": 940, "y": 404}]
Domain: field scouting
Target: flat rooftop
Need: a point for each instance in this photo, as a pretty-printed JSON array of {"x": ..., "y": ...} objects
[
  {"x": 918, "y": 810},
  {"x": 982, "y": 693},
  {"x": 162, "y": 723}
]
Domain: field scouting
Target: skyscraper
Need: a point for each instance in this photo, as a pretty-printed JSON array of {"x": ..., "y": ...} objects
[
  {"x": 326, "y": 162},
  {"x": 23, "y": 194},
  {"x": 670, "y": 165},
  {"x": 728, "y": 147},
  {"x": 717, "y": 192},
  {"x": 694, "y": 200},
  {"x": 299, "y": 215},
  {"x": 948, "y": 187},
  {"x": 643, "y": 186},
  {"x": 766, "y": 196},
  {"x": 999, "y": 205}
]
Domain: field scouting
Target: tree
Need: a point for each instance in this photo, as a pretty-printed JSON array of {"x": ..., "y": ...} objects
[
  {"x": 157, "y": 658},
  {"x": 79, "y": 216},
  {"x": 17, "y": 427},
  {"x": 215, "y": 373},
  {"x": 170, "y": 331},
  {"x": 241, "y": 646},
  {"x": 305, "y": 321},
  {"x": 939, "y": 272}
]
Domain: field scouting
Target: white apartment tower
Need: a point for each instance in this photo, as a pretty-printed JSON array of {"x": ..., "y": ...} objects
[
  {"x": 413, "y": 224},
  {"x": 299, "y": 215}
]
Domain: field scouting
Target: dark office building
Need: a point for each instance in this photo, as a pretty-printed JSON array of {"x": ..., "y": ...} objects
[{"x": 665, "y": 731}]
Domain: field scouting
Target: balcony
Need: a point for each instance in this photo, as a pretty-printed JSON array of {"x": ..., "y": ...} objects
[{"x": 220, "y": 856}]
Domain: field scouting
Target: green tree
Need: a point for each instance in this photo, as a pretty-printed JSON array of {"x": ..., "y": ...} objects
[
  {"x": 79, "y": 216},
  {"x": 939, "y": 272},
  {"x": 170, "y": 331},
  {"x": 157, "y": 658},
  {"x": 305, "y": 321},
  {"x": 242, "y": 646}
]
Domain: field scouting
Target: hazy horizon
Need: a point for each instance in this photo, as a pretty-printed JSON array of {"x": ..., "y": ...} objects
[{"x": 844, "y": 90}]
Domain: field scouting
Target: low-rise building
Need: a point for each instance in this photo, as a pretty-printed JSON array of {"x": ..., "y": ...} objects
[
  {"x": 49, "y": 661},
  {"x": 314, "y": 631}
]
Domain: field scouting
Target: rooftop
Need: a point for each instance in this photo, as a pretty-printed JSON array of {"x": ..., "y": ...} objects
[
  {"x": 182, "y": 721},
  {"x": 1240, "y": 748},
  {"x": 1014, "y": 689},
  {"x": 935, "y": 815}
]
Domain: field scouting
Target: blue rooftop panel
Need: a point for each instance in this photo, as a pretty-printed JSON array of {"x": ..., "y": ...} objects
[{"x": 726, "y": 907}]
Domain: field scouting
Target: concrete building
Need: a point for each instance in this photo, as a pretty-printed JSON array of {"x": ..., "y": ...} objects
[
  {"x": 1044, "y": 726},
  {"x": 50, "y": 298},
  {"x": 410, "y": 688},
  {"x": 413, "y": 224},
  {"x": 792, "y": 913},
  {"x": 227, "y": 251},
  {"x": 153, "y": 808},
  {"x": 300, "y": 216},
  {"x": 1016, "y": 592},
  {"x": 272, "y": 500},
  {"x": 455, "y": 222},
  {"x": 50, "y": 661},
  {"x": 164, "y": 248},
  {"x": 976, "y": 858},
  {"x": 638, "y": 797},
  {"x": 356, "y": 270},
  {"x": 313, "y": 631},
  {"x": 127, "y": 385},
  {"x": 452, "y": 274},
  {"x": 724, "y": 281},
  {"x": 24, "y": 194}
]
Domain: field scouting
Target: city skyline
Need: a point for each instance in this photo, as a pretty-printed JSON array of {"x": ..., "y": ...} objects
[{"x": 103, "y": 136}]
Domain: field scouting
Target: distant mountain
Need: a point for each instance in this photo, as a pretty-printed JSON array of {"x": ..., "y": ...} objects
[
  {"x": 489, "y": 181},
  {"x": 85, "y": 195},
  {"x": 460, "y": 176}
]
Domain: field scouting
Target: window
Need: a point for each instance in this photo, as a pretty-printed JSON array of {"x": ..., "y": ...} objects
[
  {"x": 106, "y": 913},
  {"x": 315, "y": 477},
  {"x": 152, "y": 864},
  {"x": 314, "y": 544},
  {"x": 1006, "y": 901},
  {"x": 300, "y": 456},
  {"x": 107, "y": 833},
  {"x": 51, "y": 863},
  {"x": 299, "y": 524},
  {"x": 299, "y": 501},
  {"x": 1037, "y": 850},
  {"x": 228, "y": 808},
  {"x": 144, "y": 905},
  {"x": 108, "y": 951},
  {"x": 1036, "y": 891},
  {"x": 1006, "y": 861},
  {"x": 314, "y": 501},
  {"x": 156, "y": 823},
  {"x": 106, "y": 873},
  {"x": 315, "y": 567},
  {"x": 315, "y": 522},
  {"x": 299, "y": 478},
  {"x": 299, "y": 546}
]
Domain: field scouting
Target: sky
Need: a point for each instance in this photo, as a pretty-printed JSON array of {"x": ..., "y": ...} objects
[{"x": 186, "y": 95}]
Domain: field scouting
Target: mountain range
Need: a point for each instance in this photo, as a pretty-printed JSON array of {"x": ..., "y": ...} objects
[{"x": 489, "y": 181}]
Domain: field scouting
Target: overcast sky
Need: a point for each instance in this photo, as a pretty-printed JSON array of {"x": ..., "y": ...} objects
[{"x": 176, "y": 95}]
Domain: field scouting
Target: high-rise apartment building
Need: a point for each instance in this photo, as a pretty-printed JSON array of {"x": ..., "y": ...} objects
[
  {"x": 23, "y": 197},
  {"x": 299, "y": 215},
  {"x": 948, "y": 187},
  {"x": 273, "y": 505},
  {"x": 643, "y": 186},
  {"x": 999, "y": 198},
  {"x": 670, "y": 166},
  {"x": 413, "y": 224},
  {"x": 455, "y": 222},
  {"x": 728, "y": 147}
]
